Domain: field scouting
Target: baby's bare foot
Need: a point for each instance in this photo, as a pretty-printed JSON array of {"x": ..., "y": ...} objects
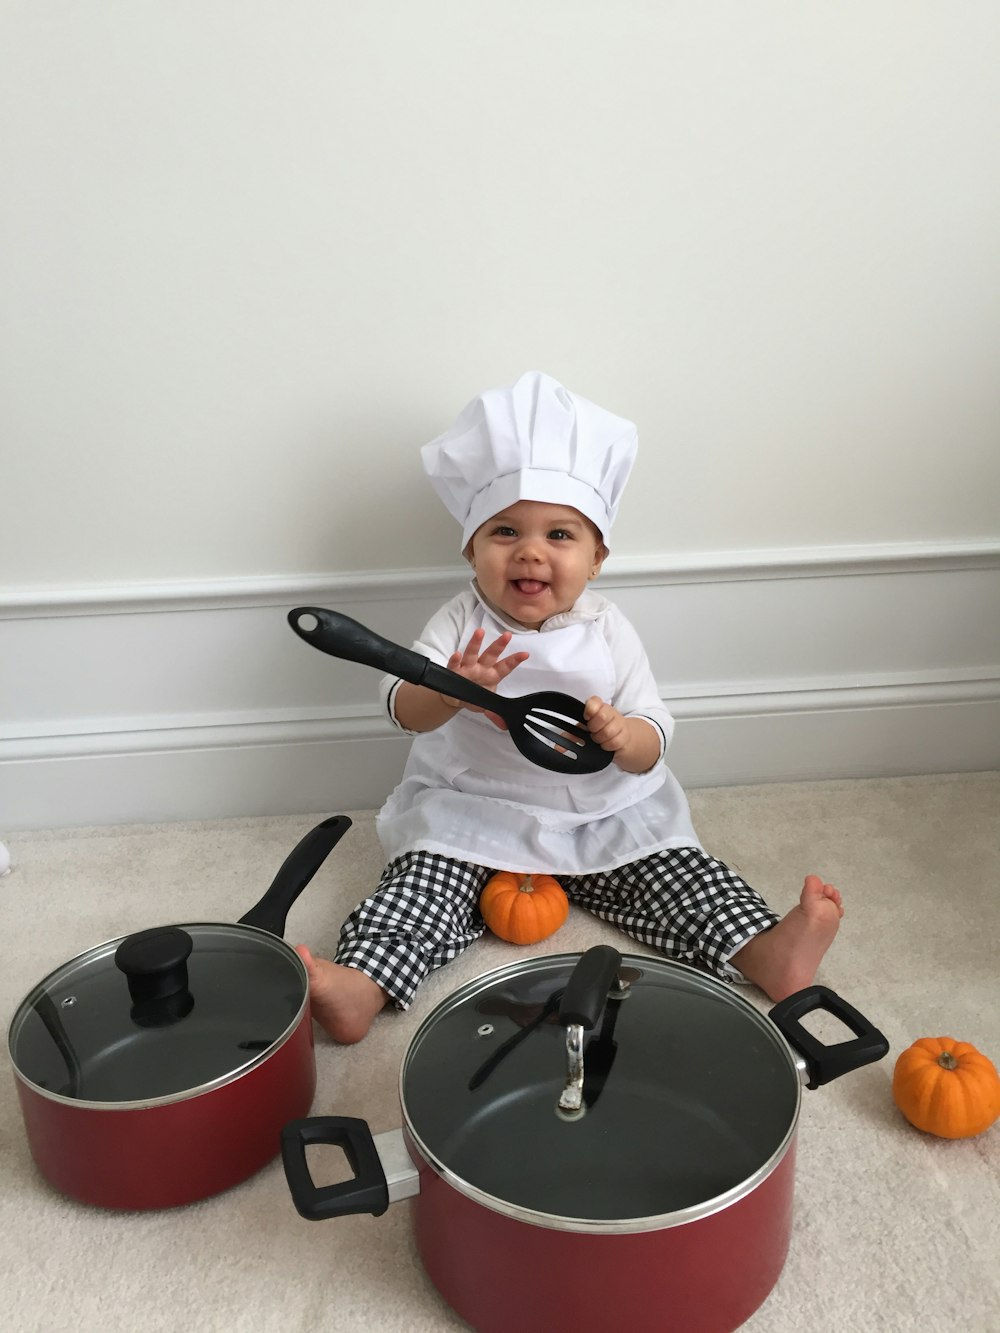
[
  {"x": 343, "y": 1000},
  {"x": 785, "y": 958}
]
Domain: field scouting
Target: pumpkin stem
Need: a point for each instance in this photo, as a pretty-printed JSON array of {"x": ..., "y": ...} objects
[
  {"x": 947, "y": 1061},
  {"x": 526, "y": 885}
]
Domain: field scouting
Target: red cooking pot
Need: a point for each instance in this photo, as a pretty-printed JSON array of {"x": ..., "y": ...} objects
[
  {"x": 160, "y": 1068},
  {"x": 640, "y": 1180}
]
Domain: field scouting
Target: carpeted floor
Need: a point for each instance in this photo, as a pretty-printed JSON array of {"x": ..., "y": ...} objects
[{"x": 893, "y": 1230}]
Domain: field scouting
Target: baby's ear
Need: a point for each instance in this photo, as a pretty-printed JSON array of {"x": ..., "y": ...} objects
[{"x": 600, "y": 555}]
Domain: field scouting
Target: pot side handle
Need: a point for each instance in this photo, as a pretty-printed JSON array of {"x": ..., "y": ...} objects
[
  {"x": 368, "y": 1192},
  {"x": 827, "y": 1062}
]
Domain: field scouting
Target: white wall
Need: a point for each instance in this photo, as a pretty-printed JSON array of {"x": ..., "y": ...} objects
[{"x": 254, "y": 254}]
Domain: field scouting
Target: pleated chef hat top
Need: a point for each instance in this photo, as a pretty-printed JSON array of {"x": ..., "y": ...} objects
[{"x": 533, "y": 440}]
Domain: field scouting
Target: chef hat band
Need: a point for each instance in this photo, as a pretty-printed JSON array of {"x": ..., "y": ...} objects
[{"x": 533, "y": 440}]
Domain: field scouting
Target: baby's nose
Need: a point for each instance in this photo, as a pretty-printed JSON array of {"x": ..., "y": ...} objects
[{"x": 530, "y": 548}]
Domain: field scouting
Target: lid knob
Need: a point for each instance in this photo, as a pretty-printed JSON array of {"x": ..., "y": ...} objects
[{"x": 155, "y": 965}]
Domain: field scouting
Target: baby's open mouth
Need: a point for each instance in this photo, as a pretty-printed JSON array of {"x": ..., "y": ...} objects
[{"x": 529, "y": 587}]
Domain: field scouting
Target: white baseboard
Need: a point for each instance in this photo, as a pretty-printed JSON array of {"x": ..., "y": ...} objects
[{"x": 148, "y": 703}]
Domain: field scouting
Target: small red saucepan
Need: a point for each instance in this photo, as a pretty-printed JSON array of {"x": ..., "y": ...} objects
[
  {"x": 159, "y": 1068},
  {"x": 640, "y": 1178}
]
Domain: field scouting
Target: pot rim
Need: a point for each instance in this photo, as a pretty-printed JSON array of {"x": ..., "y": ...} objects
[
  {"x": 603, "y": 1226},
  {"x": 169, "y": 1099}
]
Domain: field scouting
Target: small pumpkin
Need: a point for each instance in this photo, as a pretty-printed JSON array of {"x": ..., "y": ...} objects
[
  {"x": 523, "y": 909},
  {"x": 946, "y": 1087}
]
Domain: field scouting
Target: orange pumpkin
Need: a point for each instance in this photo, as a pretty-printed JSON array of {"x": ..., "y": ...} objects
[
  {"x": 523, "y": 909},
  {"x": 946, "y": 1087}
]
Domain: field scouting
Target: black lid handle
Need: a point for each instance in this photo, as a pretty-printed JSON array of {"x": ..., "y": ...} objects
[
  {"x": 155, "y": 961},
  {"x": 155, "y": 965},
  {"x": 587, "y": 990}
]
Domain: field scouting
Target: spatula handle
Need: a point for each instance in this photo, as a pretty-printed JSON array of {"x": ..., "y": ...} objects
[{"x": 342, "y": 637}]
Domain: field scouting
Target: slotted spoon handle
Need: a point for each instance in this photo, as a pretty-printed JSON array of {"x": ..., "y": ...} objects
[{"x": 342, "y": 637}]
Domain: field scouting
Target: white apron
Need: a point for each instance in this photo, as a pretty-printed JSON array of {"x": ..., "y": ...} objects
[{"x": 468, "y": 793}]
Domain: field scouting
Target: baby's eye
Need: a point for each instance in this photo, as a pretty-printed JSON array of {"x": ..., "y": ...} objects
[
  {"x": 560, "y": 535},
  {"x": 504, "y": 530}
]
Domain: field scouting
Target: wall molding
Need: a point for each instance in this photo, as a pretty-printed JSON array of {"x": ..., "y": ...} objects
[
  {"x": 378, "y": 585},
  {"x": 146, "y": 702},
  {"x": 353, "y": 722}
]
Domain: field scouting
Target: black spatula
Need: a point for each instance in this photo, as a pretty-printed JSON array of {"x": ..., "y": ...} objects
[{"x": 547, "y": 727}]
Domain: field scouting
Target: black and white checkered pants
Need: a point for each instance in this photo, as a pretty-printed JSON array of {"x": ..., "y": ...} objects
[{"x": 425, "y": 912}]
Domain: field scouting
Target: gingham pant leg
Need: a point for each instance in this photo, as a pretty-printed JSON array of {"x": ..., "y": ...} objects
[
  {"x": 424, "y": 913},
  {"x": 682, "y": 902}
]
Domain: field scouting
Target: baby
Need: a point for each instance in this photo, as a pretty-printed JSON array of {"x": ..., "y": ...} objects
[{"x": 535, "y": 474}]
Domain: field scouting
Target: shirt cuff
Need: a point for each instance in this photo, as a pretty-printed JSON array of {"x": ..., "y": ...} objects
[
  {"x": 659, "y": 731},
  {"x": 390, "y": 708}
]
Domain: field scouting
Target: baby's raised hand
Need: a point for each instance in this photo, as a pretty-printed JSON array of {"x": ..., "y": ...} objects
[{"x": 484, "y": 666}]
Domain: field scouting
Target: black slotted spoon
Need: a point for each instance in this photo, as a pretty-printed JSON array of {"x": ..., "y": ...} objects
[{"x": 547, "y": 727}]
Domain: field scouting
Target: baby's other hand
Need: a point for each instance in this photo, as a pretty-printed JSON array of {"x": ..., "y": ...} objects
[
  {"x": 634, "y": 741},
  {"x": 606, "y": 725}
]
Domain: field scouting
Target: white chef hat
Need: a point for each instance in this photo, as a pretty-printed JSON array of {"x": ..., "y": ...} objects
[{"x": 533, "y": 440}]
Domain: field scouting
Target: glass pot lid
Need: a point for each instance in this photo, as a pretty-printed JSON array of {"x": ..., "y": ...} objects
[
  {"x": 687, "y": 1092},
  {"x": 158, "y": 1015}
]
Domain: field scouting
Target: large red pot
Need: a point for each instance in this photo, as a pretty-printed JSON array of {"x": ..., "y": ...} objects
[
  {"x": 643, "y": 1182},
  {"x": 159, "y": 1068}
]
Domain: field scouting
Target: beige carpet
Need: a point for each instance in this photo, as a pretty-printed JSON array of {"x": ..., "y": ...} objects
[{"x": 893, "y": 1230}]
